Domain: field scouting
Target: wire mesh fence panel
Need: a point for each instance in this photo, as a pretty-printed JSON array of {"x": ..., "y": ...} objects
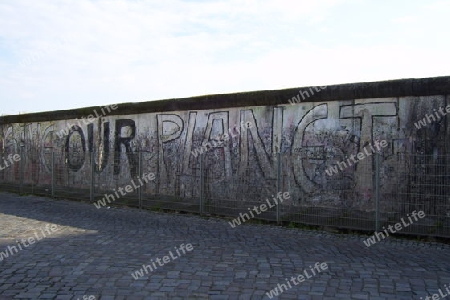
[
  {"x": 36, "y": 178},
  {"x": 306, "y": 187},
  {"x": 339, "y": 194},
  {"x": 118, "y": 182},
  {"x": 10, "y": 172},
  {"x": 25, "y": 172},
  {"x": 175, "y": 186},
  {"x": 416, "y": 183},
  {"x": 236, "y": 191},
  {"x": 72, "y": 175}
]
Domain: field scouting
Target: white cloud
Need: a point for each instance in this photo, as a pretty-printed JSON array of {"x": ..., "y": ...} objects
[{"x": 99, "y": 52}]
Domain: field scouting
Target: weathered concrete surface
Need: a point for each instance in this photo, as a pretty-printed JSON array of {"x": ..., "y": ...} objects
[{"x": 95, "y": 251}]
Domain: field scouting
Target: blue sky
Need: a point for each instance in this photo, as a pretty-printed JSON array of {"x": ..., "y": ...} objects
[{"x": 68, "y": 54}]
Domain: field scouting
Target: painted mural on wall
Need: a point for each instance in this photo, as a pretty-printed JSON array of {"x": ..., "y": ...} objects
[{"x": 311, "y": 137}]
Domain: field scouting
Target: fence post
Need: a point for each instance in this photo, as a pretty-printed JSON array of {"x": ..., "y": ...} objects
[
  {"x": 53, "y": 174},
  {"x": 91, "y": 196},
  {"x": 201, "y": 184},
  {"x": 140, "y": 176},
  {"x": 279, "y": 165},
  {"x": 22, "y": 163},
  {"x": 377, "y": 191}
]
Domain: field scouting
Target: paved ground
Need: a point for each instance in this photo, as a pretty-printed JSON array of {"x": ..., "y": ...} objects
[{"x": 93, "y": 252}]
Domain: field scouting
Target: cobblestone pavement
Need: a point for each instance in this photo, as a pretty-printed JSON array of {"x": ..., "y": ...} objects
[{"x": 93, "y": 252}]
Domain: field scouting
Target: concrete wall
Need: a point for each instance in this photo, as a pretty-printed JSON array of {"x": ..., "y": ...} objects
[{"x": 327, "y": 126}]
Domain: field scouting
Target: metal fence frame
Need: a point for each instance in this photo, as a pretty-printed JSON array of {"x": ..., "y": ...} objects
[{"x": 202, "y": 192}]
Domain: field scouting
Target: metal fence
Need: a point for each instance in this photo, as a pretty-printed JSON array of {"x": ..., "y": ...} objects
[{"x": 367, "y": 196}]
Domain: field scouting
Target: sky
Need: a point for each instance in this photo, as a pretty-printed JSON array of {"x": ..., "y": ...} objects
[{"x": 68, "y": 54}]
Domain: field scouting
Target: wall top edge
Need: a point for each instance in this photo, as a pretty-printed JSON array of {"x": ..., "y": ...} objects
[{"x": 361, "y": 90}]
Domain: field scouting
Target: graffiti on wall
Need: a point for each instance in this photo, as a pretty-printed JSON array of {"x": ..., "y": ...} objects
[{"x": 313, "y": 135}]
